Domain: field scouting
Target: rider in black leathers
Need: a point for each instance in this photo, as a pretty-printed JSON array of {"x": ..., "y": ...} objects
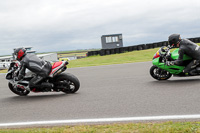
[
  {"x": 185, "y": 47},
  {"x": 33, "y": 63}
]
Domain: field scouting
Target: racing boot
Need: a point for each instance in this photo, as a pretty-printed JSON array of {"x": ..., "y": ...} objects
[
  {"x": 193, "y": 72},
  {"x": 198, "y": 70}
]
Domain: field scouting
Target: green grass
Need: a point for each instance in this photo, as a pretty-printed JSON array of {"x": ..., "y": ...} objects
[
  {"x": 4, "y": 71},
  {"x": 128, "y": 57},
  {"x": 163, "y": 127},
  {"x": 72, "y": 54},
  {"x": 76, "y": 51}
]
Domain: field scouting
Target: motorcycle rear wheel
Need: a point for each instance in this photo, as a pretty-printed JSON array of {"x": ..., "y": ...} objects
[
  {"x": 72, "y": 82},
  {"x": 159, "y": 74},
  {"x": 18, "y": 91}
]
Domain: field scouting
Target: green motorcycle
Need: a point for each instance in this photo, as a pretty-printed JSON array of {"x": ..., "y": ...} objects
[{"x": 161, "y": 71}]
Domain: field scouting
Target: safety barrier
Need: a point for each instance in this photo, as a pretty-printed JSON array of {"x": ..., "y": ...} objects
[{"x": 103, "y": 52}]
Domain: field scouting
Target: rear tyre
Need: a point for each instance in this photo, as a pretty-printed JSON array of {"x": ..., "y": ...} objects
[
  {"x": 67, "y": 82},
  {"x": 18, "y": 91},
  {"x": 159, "y": 74}
]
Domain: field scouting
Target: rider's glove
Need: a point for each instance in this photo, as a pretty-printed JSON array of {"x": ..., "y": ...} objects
[
  {"x": 169, "y": 63},
  {"x": 16, "y": 79},
  {"x": 168, "y": 56},
  {"x": 20, "y": 77}
]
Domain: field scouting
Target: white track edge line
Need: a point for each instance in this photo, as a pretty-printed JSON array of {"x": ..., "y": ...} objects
[{"x": 101, "y": 120}]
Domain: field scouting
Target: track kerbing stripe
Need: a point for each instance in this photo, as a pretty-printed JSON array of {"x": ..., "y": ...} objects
[{"x": 103, "y": 120}]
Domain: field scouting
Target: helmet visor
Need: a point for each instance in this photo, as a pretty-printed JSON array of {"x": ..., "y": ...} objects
[
  {"x": 171, "y": 43},
  {"x": 15, "y": 56}
]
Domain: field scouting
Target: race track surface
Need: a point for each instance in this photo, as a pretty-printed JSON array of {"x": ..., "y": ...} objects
[{"x": 113, "y": 91}]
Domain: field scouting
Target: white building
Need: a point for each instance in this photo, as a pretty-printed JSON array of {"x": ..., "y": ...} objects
[
  {"x": 6, "y": 60},
  {"x": 52, "y": 57}
]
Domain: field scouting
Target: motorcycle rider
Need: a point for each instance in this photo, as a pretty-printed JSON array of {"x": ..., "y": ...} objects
[
  {"x": 36, "y": 65},
  {"x": 185, "y": 47}
]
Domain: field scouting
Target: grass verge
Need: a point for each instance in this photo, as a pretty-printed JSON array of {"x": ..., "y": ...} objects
[
  {"x": 128, "y": 57},
  {"x": 72, "y": 54},
  {"x": 4, "y": 71},
  {"x": 162, "y": 127}
]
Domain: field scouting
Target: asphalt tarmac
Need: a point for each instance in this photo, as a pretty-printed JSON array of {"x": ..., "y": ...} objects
[{"x": 113, "y": 91}]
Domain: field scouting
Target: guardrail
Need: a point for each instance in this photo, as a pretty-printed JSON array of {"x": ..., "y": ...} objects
[{"x": 103, "y": 52}]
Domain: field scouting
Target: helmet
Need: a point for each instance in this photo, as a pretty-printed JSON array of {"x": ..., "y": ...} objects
[
  {"x": 174, "y": 39},
  {"x": 163, "y": 50},
  {"x": 19, "y": 53}
]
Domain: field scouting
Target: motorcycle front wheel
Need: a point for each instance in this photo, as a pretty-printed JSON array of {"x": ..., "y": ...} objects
[
  {"x": 68, "y": 83},
  {"x": 159, "y": 74},
  {"x": 18, "y": 91}
]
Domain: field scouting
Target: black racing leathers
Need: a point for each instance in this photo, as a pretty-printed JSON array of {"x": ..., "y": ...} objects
[
  {"x": 36, "y": 65},
  {"x": 191, "y": 49}
]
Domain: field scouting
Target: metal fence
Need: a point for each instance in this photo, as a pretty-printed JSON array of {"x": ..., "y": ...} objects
[{"x": 103, "y": 52}]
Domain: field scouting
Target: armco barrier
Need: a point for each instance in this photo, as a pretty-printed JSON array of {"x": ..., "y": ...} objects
[
  {"x": 196, "y": 40},
  {"x": 95, "y": 52},
  {"x": 134, "y": 47},
  {"x": 130, "y": 49},
  {"x": 89, "y": 53},
  {"x": 107, "y": 51},
  {"x": 155, "y": 45},
  {"x": 103, "y": 52},
  {"x": 117, "y": 51},
  {"x": 141, "y": 47},
  {"x": 121, "y": 50},
  {"x": 125, "y": 48},
  {"x": 112, "y": 51},
  {"x": 191, "y": 39},
  {"x": 149, "y": 46}
]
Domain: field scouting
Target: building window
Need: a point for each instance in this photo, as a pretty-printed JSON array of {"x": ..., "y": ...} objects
[
  {"x": 28, "y": 49},
  {"x": 115, "y": 39},
  {"x": 108, "y": 39},
  {"x": 111, "y": 39}
]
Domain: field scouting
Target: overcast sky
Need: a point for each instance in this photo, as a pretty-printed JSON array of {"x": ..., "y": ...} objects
[{"x": 55, "y": 25}]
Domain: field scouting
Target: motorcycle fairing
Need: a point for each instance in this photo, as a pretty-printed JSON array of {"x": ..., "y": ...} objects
[
  {"x": 173, "y": 69},
  {"x": 57, "y": 67},
  {"x": 175, "y": 55},
  {"x": 56, "y": 64}
]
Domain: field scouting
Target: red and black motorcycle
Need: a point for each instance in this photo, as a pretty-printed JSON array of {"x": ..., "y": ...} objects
[{"x": 64, "y": 82}]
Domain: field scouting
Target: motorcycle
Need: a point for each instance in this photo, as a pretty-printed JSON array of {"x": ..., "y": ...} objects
[
  {"x": 160, "y": 71},
  {"x": 64, "y": 82}
]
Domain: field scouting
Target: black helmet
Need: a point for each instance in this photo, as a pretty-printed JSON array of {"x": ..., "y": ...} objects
[
  {"x": 174, "y": 39},
  {"x": 19, "y": 53}
]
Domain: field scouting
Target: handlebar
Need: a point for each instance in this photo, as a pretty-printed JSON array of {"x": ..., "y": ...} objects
[{"x": 169, "y": 47}]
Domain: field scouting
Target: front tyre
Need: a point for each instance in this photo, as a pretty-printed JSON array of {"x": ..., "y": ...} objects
[
  {"x": 67, "y": 82},
  {"x": 159, "y": 74},
  {"x": 18, "y": 91}
]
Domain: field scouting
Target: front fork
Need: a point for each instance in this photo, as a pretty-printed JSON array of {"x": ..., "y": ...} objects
[{"x": 19, "y": 84}]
